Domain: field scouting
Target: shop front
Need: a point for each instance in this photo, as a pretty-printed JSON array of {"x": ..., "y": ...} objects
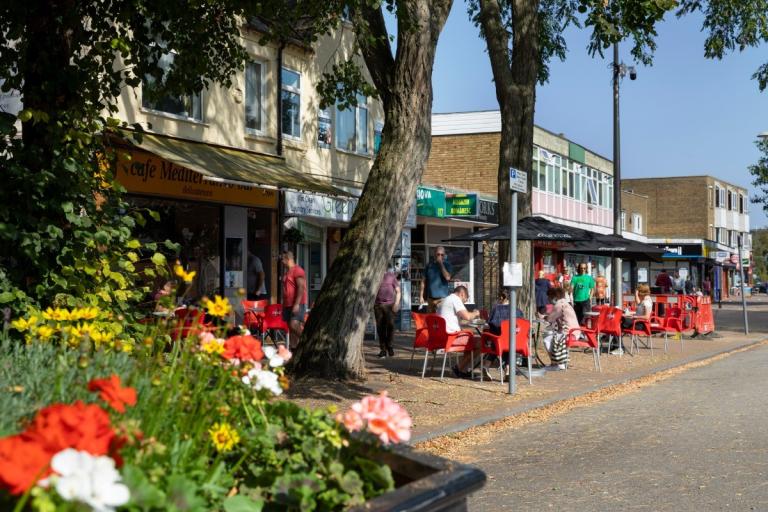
[{"x": 219, "y": 205}]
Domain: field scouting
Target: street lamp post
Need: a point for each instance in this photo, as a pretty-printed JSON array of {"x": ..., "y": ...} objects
[{"x": 619, "y": 72}]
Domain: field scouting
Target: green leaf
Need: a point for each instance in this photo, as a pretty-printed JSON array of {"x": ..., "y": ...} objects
[
  {"x": 6, "y": 297},
  {"x": 159, "y": 259},
  {"x": 239, "y": 503},
  {"x": 143, "y": 494}
]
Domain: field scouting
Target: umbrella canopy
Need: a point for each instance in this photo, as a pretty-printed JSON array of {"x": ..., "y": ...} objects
[
  {"x": 618, "y": 246},
  {"x": 530, "y": 228}
]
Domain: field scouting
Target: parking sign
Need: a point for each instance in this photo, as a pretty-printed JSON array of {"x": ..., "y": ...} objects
[{"x": 518, "y": 180}]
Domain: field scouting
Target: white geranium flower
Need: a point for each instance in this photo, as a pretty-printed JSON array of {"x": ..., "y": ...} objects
[
  {"x": 260, "y": 379},
  {"x": 275, "y": 360},
  {"x": 80, "y": 476}
]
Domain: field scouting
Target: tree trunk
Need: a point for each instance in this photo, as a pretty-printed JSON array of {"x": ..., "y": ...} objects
[
  {"x": 515, "y": 82},
  {"x": 331, "y": 345}
]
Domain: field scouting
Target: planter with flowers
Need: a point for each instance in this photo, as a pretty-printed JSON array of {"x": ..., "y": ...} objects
[{"x": 98, "y": 422}]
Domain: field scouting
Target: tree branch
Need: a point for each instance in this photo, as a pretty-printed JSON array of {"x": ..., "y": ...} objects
[
  {"x": 375, "y": 47},
  {"x": 497, "y": 40}
]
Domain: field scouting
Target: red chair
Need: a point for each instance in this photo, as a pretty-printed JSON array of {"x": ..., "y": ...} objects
[
  {"x": 641, "y": 327},
  {"x": 253, "y": 314},
  {"x": 484, "y": 314},
  {"x": 591, "y": 337},
  {"x": 440, "y": 339},
  {"x": 670, "y": 324},
  {"x": 498, "y": 344},
  {"x": 421, "y": 337},
  {"x": 273, "y": 321},
  {"x": 189, "y": 322},
  {"x": 610, "y": 325}
]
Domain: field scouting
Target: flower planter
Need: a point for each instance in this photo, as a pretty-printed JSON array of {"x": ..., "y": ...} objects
[{"x": 425, "y": 483}]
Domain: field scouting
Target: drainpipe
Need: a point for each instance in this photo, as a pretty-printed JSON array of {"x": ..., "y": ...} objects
[{"x": 279, "y": 109}]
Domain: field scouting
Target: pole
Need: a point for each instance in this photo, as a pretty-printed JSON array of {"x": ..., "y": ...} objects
[
  {"x": 616, "y": 285},
  {"x": 512, "y": 295},
  {"x": 743, "y": 297}
]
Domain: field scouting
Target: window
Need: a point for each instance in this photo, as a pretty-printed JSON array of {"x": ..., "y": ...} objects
[
  {"x": 254, "y": 97},
  {"x": 718, "y": 197},
  {"x": 637, "y": 223},
  {"x": 742, "y": 204},
  {"x": 186, "y": 106},
  {"x": 352, "y": 127},
  {"x": 290, "y": 103},
  {"x": 730, "y": 201},
  {"x": 324, "y": 128},
  {"x": 591, "y": 192},
  {"x": 623, "y": 220}
]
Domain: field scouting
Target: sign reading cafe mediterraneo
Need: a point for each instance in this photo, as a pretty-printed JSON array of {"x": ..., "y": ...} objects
[{"x": 144, "y": 173}]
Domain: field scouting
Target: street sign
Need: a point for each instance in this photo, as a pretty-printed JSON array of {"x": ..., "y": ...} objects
[
  {"x": 430, "y": 202},
  {"x": 745, "y": 262},
  {"x": 461, "y": 205},
  {"x": 518, "y": 180}
]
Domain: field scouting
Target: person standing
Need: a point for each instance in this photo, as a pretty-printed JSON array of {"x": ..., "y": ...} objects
[
  {"x": 385, "y": 306},
  {"x": 583, "y": 288},
  {"x": 542, "y": 286},
  {"x": 257, "y": 289},
  {"x": 601, "y": 287},
  {"x": 436, "y": 284},
  {"x": 562, "y": 319},
  {"x": 663, "y": 281},
  {"x": 706, "y": 286},
  {"x": 294, "y": 296}
]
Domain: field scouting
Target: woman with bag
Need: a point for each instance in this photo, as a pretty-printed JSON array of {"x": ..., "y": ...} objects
[{"x": 561, "y": 320}]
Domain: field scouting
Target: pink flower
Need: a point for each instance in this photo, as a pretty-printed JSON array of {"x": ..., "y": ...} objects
[
  {"x": 283, "y": 352},
  {"x": 205, "y": 337},
  {"x": 382, "y": 416}
]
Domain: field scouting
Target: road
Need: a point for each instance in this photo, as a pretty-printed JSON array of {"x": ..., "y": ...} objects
[
  {"x": 731, "y": 318},
  {"x": 697, "y": 441}
]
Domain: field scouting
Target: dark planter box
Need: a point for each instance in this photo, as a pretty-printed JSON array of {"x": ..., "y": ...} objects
[{"x": 425, "y": 483}]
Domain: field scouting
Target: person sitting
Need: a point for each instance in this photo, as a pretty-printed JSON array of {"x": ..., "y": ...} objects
[
  {"x": 452, "y": 309},
  {"x": 542, "y": 285},
  {"x": 561, "y": 320},
  {"x": 643, "y": 306},
  {"x": 499, "y": 314}
]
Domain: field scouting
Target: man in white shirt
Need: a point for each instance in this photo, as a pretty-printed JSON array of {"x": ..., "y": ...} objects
[{"x": 452, "y": 309}]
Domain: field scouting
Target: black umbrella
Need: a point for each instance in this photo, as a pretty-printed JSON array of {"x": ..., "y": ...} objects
[
  {"x": 619, "y": 247},
  {"x": 530, "y": 228}
]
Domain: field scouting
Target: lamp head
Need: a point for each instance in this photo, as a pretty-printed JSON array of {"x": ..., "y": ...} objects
[
  {"x": 762, "y": 135},
  {"x": 632, "y": 73}
]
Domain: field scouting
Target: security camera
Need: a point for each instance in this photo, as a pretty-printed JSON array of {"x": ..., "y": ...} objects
[{"x": 632, "y": 73}]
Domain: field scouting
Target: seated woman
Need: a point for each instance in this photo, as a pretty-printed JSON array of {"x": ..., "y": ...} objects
[
  {"x": 643, "y": 306},
  {"x": 561, "y": 320}
]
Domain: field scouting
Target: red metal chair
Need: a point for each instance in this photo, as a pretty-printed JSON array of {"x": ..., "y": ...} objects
[
  {"x": 421, "y": 337},
  {"x": 440, "y": 339},
  {"x": 641, "y": 327},
  {"x": 189, "y": 322},
  {"x": 273, "y": 321},
  {"x": 498, "y": 344},
  {"x": 253, "y": 314},
  {"x": 591, "y": 337},
  {"x": 610, "y": 325},
  {"x": 669, "y": 324}
]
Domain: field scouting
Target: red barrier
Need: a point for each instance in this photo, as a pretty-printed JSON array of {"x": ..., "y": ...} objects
[
  {"x": 696, "y": 311},
  {"x": 705, "y": 320}
]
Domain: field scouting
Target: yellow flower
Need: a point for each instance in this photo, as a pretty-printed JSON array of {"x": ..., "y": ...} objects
[
  {"x": 84, "y": 314},
  {"x": 215, "y": 346},
  {"x": 22, "y": 325},
  {"x": 56, "y": 314},
  {"x": 218, "y": 307},
  {"x": 100, "y": 337},
  {"x": 44, "y": 332},
  {"x": 224, "y": 437},
  {"x": 185, "y": 276}
]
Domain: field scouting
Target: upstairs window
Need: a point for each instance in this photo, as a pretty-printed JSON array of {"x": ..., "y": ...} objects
[
  {"x": 637, "y": 223},
  {"x": 352, "y": 127},
  {"x": 290, "y": 103},
  {"x": 184, "y": 106},
  {"x": 254, "y": 97},
  {"x": 623, "y": 220}
]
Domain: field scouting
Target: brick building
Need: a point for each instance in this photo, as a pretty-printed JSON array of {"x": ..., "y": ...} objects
[{"x": 698, "y": 220}]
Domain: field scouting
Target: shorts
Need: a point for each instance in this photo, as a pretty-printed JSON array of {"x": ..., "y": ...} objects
[{"x": 288, "y": 313}]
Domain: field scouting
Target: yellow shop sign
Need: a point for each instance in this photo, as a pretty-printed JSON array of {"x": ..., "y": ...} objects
[{"x": 144, "y": 173}]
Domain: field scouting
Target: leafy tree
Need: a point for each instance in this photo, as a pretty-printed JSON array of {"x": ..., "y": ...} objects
[
  {"x": 331, "y": 345},
  {"x": 522, "y": 36},
  {"x": 760, "y": 253},
  {"x": 63, "y": 227}
]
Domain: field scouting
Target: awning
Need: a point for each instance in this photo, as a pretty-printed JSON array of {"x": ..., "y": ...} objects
[
  {"x": 619, "y": 247},
  {"x": 530, "y": 228},
  {"x": 232, "y": 165}
]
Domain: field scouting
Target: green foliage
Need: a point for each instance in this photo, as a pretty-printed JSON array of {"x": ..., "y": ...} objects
[
  {"x": 759, "y": 173},
  {"x": 760, "y": 253},
  {"x": 732, "y": 25}
]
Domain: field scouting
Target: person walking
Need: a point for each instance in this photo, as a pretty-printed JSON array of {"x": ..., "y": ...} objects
[
  {"x": 385, "y": 306},
  {"x": 601, "y": 289},
  {"x": 583, "y": 288},
  {"x": 436, "y": 284},
  {"x": 561, "y": 320},
  {"x": 542, "y": 286},
  {"x": 294, "y": 296},
  {"x": 706, "y": 286}
]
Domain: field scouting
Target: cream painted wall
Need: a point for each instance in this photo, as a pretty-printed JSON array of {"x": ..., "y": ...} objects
[{"x": 224, "y": 111}]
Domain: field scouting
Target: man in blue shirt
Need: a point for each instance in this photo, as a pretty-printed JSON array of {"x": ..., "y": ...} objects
[{"x": 437, "y": 284}]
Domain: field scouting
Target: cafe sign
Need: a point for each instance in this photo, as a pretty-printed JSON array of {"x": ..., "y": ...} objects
[
  {"x": 144, "y": 173},
  {"x": 461, "y": 205},
  {"x": 301, "y": 204}
]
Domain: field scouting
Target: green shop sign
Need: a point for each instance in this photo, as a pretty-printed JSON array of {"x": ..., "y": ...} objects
[
  {"x": 461, "y": 205},
  {"x": 430, "y": 202}
]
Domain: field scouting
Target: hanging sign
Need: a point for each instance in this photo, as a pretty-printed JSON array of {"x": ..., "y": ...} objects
[{"x": 430, "y": 202}]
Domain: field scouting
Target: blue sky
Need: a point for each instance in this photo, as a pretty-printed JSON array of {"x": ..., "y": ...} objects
[{"x": 683, "y": 115}]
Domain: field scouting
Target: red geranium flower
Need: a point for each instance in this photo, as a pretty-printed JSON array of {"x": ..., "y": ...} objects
[
  {"x": 79, "y": 426},
  {"x": 22, "y": 463},
  {"x": 244, "y": 348},
  {"x": 112, "y": 392}
]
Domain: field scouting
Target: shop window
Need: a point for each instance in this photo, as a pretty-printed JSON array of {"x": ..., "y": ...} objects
[
  {"x": 290, "y": 103},
  {"x": 436, "y": 234},
  {"x": 184, "y": 106},
  {"x": 352, "y": 127},
  {"x": 254, "y": 97}
]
